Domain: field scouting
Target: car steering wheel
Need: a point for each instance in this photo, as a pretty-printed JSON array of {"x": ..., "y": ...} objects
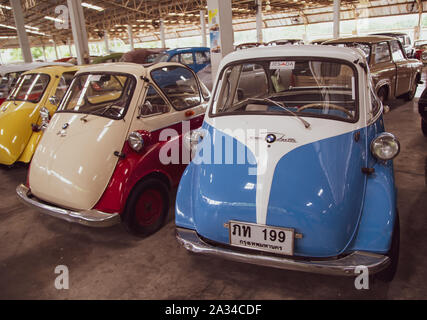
[{"x": 321, "y": 106}]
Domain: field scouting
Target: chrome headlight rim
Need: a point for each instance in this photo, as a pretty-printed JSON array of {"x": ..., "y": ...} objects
[
  {"x": 386, "y": 136},
  {"x": 136, "y": 141}
]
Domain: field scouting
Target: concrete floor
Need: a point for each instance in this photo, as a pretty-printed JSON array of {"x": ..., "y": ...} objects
[{"x": 111, "y": 264}]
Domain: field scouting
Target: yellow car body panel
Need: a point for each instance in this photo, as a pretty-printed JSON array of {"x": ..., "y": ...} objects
[{"x": 17, "y": 139}]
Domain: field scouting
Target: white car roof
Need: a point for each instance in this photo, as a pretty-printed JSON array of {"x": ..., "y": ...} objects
[
  {"x": 21, "y": 67},
  {"x": 348, "y": 54}
]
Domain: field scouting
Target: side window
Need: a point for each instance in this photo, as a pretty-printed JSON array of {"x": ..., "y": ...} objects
[
  {"x": 63, "y": 84},
  {"x": 382, "y": 52},
  {"x": 397, "y": 51},
  {"x": 175, "y": 58},
  {"x": 153, "y": 104},
  {"x": 179, "y": 85},
  {"x": 187, "y": 58},
  {"x": 202, "y": 58}
]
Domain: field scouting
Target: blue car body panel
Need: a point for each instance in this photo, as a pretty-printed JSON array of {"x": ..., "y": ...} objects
[
  {"x": 196, "y": 67},
  {"x": 318, "y": 189}
]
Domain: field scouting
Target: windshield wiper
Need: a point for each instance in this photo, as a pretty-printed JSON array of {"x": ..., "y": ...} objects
[{"x": 280, "y": 105}]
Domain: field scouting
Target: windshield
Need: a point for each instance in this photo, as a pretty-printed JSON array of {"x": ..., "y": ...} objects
[
  {"x": 163, "y": 57},
  {"x": 30, "y": 87},
  {"x": 366, "y": 48},
  {"x": 309, "y": 88},
  {"x": 103, "y": 94},
  {"x": 179, "y": 85}
]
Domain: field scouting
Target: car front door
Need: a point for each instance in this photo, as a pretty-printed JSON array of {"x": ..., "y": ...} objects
[{"x": 403, "y": 68}]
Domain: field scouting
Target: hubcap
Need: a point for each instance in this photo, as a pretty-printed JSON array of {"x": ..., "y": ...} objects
[{"x": 149, "y": 207}]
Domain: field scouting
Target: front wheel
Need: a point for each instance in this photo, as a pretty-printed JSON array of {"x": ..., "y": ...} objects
[
  {"x": 147, "y": 208},
  {"x": 424, "y": 127},
  {"x": 388, "y": 273}
]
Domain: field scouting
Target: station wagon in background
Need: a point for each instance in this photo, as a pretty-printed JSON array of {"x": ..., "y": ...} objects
[
  {"x": 404, "y": 39},
  {"x": 393, "y": 73},
  {"x": 195, "y": 58},
  {"x": 98, "y": 162},
  {"x": 27, "y": 109},
  {"x": 297, "y": 174}
]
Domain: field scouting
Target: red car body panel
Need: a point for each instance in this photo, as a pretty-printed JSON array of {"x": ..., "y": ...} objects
[{"x": 135, "y": 166}]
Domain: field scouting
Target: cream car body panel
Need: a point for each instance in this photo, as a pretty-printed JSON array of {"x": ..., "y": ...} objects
[{"x": 75, "y": 159}]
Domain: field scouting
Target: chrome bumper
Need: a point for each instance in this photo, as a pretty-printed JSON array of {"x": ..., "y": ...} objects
[
  {"x": 91, "y": 218},
  {"x": 343, "y": 267}
]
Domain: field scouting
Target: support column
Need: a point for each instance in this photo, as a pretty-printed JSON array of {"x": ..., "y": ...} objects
[
  {"x": 203, "y": 27},
  {"x": 44, "y": 52},
  {"x": 337, "y": 4},
  {"x": 79, "y": 30},
  {"x": 56, "y": 50},
  {"x": 20, "y": 29},
  {"x": 162, "y": 34},
  {"x": 130, "y": 34},
  {"x": 259, "y": 21},
  {"x": 417, "y": 33},
  {"x": 220, "y": 30},
  {"x": 107, "y": 46},
  {"x": 69, "y": 47}
]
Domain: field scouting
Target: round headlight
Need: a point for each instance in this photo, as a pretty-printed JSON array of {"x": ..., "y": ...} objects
[
  {"x": 385, "y": 146},
  {"x": 135, "y": 140}
]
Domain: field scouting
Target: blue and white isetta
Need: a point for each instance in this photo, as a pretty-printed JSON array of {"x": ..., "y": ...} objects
[{"x": 292, "y": 167}]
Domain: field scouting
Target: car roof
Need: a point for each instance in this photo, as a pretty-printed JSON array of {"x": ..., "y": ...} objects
[
  {"x": 54, "y": 70},
  {"x": 363, "y": 39},
  {"x": 310, "y": 51},
  {"x": 20, "y": 67},
  {"x": 390, "y": 33},
  {"x": 187, "y": 49},
  {"x": 125, "y": 67}
]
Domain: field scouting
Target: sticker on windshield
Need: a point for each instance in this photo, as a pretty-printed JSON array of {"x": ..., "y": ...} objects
[{"x": 282, "y": 65}]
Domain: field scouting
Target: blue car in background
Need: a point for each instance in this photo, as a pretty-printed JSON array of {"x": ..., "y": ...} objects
[
  {"x": 296, "y": 171},
  {"x": 195, "y": 58}
]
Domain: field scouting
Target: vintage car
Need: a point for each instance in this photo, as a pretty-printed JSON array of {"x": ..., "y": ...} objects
[
  {"x": 248, "y": 45},
  {"x": 112, "y": 57},
  {"x": 195, "y": 58},
  {"x": 319, "y": 41},
  {"x": 35, "y": 97},
  {"x": 298, "y": 174},
  {"x": 10, "y": 73},
  {"x": 100, "y": 159},
  {"x": 404, "y": 39},
  {"x": 394, "y": 75},
  {"x": 422, "y": 109},
  {"x": 420, "y": 47},
  {"x": 282, "y": 42},
  {"x": 142, "y": 55}
]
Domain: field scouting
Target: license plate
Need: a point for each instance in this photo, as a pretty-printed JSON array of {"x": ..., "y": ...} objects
[{"x": 260, "y": 237}]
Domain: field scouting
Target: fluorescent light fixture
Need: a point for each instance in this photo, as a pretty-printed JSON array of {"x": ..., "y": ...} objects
[
  {"x": 6, "y": 26},
  {"x": 32, "y": 28},
  {"x": 54, "y": 19},
  {"x": 7, "y": 37},
  {"x": 91, "y": 6},
  {"x": 36, "y": 32},
  {"x": 5, "y": 7}
]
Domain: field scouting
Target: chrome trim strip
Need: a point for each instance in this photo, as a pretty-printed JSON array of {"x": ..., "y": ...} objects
[
  {"x": 342, "y": 267},
  {"x": 91, "y": 218}
]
